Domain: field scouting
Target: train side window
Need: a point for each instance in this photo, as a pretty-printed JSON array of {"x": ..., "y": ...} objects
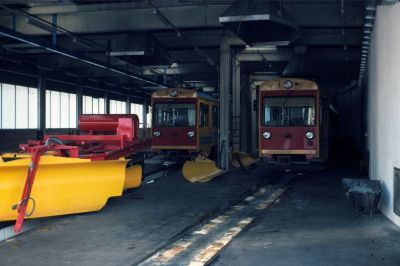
[
  {"x": 215, "y": 116},
  {"x": 203, "y": 115}
]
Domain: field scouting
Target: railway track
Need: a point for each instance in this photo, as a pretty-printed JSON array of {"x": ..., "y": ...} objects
[
  {"x": 198, "y": 243},
  {"x": 201, "y": 243}
]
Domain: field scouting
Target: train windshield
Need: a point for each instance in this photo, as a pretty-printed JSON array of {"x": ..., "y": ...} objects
[
  {"x": 289, "y": 111},
  {"x": 174, "y": 115}
]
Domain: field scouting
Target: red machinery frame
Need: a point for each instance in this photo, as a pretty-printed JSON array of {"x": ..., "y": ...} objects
[{"x": 102, "y": 137}]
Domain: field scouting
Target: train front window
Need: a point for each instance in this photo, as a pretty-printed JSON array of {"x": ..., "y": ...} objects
[
  {"x": 174, "y": 115},
  {"x": 289, "y": 111}
]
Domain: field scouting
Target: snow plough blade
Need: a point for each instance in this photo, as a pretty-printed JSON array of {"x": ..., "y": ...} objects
[
  {"x": 201, "y": 169},
  {"x": 133, "y": 176},
  {"x": 242, "y": 159},
  {"x": 63, "y": 185}
]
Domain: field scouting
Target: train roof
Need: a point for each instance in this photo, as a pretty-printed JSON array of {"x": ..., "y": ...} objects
[
  {"x": 182, "y": 93},
  {"x": 289, "y": 84}
]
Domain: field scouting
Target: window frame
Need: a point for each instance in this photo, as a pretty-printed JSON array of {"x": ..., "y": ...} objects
[
  {"x": 30, "y": 121},
  {"x": 204, "y": 114},
  {"x": 154, "y": 113},
  {"x": 289, "y": 125}
]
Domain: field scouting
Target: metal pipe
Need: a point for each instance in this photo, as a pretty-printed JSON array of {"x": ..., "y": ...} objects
[{"x": 27, "y": 39}]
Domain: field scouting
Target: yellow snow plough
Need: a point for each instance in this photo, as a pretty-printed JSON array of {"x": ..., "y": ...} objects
[{"x": 66, "y": 174}]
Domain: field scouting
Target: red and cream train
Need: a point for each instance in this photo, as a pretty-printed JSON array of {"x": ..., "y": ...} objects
[{"x": 293, "y": 121}]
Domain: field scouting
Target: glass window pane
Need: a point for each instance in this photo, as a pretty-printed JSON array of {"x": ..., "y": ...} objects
[
  {"x": 101, "y": 106},
  {"x": 95, "y": 106},
  {"x": 137, "y": 109},
  {"x": 55, "y": 108},
  {"x": 123, "y": 108},
  {"x": 83, "y": 104},
  {"x": 118, "y": 107},
  {"x": 285, "y": 111},
  {"x": 113, "y": 107},
  {"x": 72, "y": 111},
  {"x": 33, "y": 108},
  {"x": 8, "y": 106},
  {"x": 64, "y": 111},
  {"x": 22, "y": 107},
  {"x": 88, "y": 105},
  {"x": 175, "y": 114},
  {"x": 203, "y": 115},
  {"x": 149, "y": 117},
  {"x": 48, "y": 111}
]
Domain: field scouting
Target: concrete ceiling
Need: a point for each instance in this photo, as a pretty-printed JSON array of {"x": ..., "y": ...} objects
[{"x": 182, "y": 39}]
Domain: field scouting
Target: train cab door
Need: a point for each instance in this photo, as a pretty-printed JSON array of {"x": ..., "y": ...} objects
[{"x": 204, "y": 132}]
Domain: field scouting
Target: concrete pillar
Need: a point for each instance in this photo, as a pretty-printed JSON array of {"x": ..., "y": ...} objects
[
  {"x": 245, "y": 114},
  {"x": 106, "y": 103},
  {"x": 144, "y": 113},
  {"x": 236, "y": 106},
  {"x": 41, "y": 111},
  {"x": 224, "y": 104},
  {"x": 254, "y": 116},
  {"x": 128, "y": 105},
  {"x": 79, "y": 105}
]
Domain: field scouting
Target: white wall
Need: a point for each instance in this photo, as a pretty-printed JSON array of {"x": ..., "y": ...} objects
[{"x": 384, "y": 103}]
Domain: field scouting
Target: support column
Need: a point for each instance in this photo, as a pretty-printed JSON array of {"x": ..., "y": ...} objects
[
  {"x": 128, "y": 105},
  {"x": 245, "y": 114},
  {"x": 41, "y": 110},
  {"x": 224, "y": 104},
  {"x": 236, "y": 106},
  {"x": 106, "y": 103},
  {"x": 79, "y": 105}
]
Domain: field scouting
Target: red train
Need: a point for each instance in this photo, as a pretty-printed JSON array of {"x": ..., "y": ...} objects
[
  {"x": 184, "y": 122},
  {"x": 293, "y": 121}
]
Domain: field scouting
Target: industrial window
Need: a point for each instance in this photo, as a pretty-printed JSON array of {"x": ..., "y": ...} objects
[
  {"x": 18, "y": 107},
  {"x": 149, "y": 117},
  {"x": 137, "y": 109},
  {"x": 117, "y": 107},
  {"x": 203, "y": 115},
  {"x": 91, "y": 105},
  {"x": 60, "y": 109}
]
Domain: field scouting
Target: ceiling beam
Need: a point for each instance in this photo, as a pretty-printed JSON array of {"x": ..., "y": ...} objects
[
  {"x": 182, "y": 17},
  {"x": 37, "y": 43}
]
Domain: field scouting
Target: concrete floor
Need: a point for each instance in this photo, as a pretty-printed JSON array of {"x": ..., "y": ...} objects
[
  {"x": 315, "y": 225},
  {"x": 130, "y": 228},
  {"x": 311, "y": 225}
]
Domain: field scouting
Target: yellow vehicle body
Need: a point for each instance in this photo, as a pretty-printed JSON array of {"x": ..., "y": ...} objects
[{"x": 64, "y": 185}]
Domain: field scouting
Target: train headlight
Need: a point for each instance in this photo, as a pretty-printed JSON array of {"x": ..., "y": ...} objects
[
  {"x": 157, "y": 133},
  {"x": 191, "y": 134},
  {"x": 173, "y": 93},
  {"x": 266, "y": 135},
  {"x": 309, "y": 135},
  {"x": 288, "y": 84}
]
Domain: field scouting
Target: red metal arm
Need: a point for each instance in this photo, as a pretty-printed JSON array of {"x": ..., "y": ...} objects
[{"x": 23, "y": 204}]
